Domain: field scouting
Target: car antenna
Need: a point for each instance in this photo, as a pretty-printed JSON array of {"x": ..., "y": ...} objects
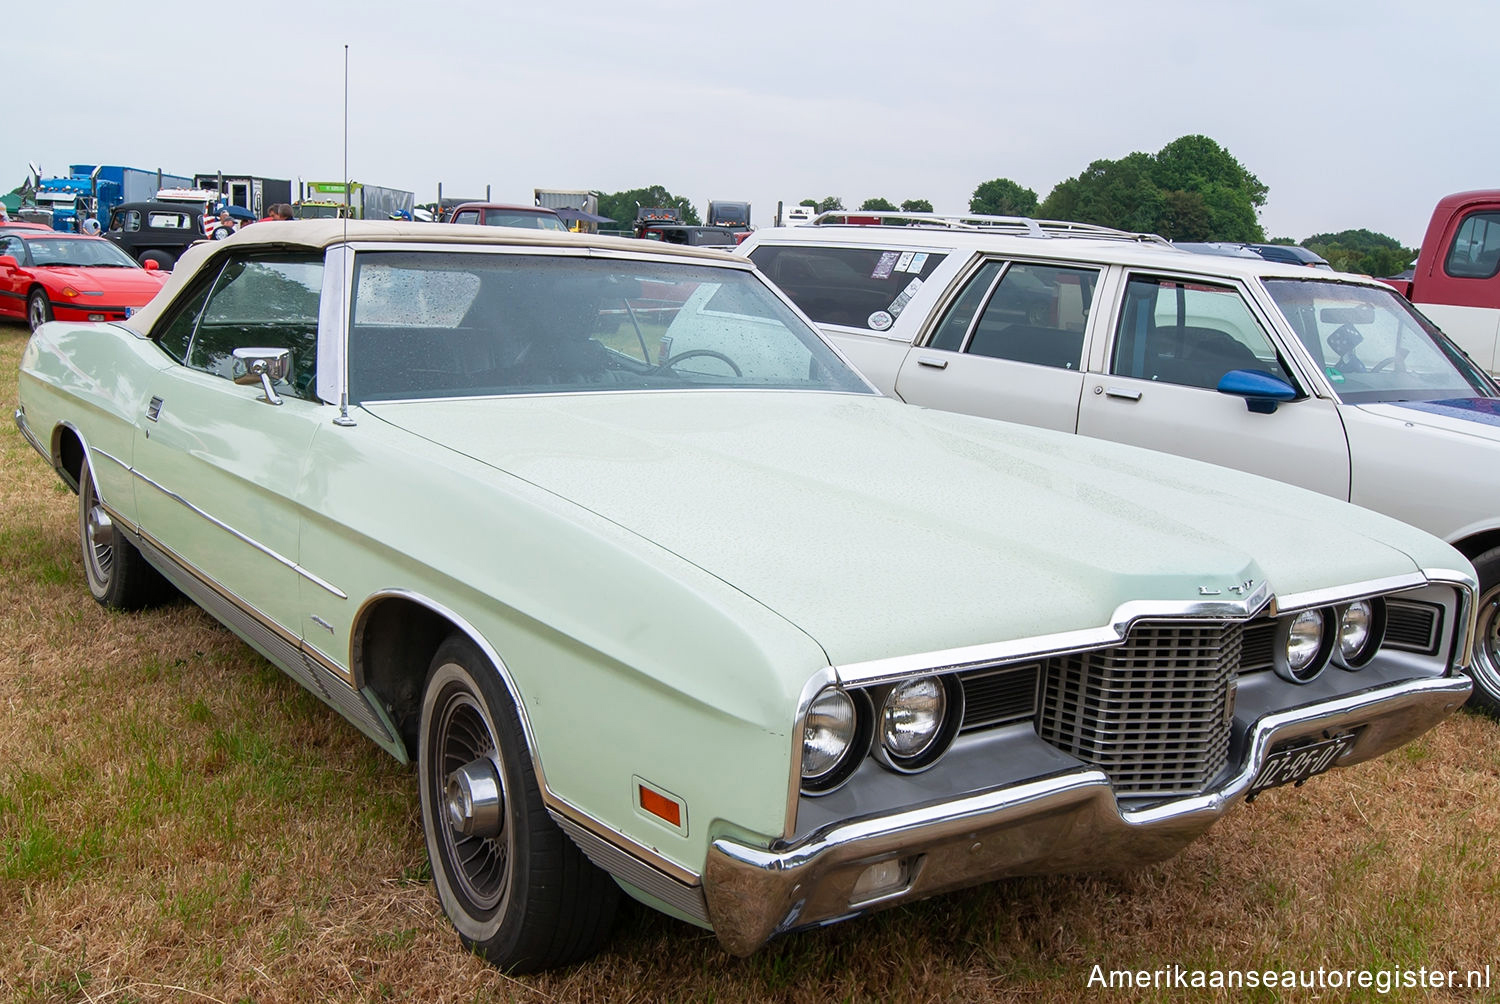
[{"x": 344, "y": 419}]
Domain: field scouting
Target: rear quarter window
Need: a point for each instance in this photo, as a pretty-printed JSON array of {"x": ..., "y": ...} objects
[{"x": 864, "y": 287}]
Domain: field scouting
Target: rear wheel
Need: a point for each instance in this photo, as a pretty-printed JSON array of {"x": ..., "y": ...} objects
[
  {"x": 118, "y": 577},
  {"x": 518, "y": 890},
  {"x": 1486, "y": 667},
  {"x": 38, "y": 310}
]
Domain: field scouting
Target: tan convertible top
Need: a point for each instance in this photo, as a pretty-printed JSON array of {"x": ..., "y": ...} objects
[{"x": 318, "y": 234}]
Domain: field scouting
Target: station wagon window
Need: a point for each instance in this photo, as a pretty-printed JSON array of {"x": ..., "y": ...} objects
[
  {"x": 1022, "y": 311},
  {"x": 1189, "y": 333},
  {"x": 1475, "y": 251},
  {"x": 864, "y": 287},
  {"x": 253, "y": 303}
]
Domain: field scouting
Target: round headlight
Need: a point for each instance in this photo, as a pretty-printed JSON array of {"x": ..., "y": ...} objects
[
  {"x": 835, "y": 736},
  {"x": 912, "y": 716},
  {"x": 918, "y": 722},
  {"x": 1305, "y": 646},
  {"x": 1361, "y": 630}
]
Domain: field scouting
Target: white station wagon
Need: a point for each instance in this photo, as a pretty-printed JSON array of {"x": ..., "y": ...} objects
[{"x": 1324, "y": 380}]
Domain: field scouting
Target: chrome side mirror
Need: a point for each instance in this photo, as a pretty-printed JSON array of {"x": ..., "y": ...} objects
[{"x": 262, "y": 366}]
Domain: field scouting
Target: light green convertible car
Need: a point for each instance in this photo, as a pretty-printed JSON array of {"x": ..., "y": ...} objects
[{"x": 661, "y": 596}]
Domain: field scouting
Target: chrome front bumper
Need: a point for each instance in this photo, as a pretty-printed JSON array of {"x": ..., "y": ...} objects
[{"x": 1070, "y": 821}]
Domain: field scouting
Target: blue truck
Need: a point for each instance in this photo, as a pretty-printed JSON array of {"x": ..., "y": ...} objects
[{"x": 90, "y": 191}]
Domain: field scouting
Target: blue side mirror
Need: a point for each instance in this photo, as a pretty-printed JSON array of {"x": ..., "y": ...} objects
[{"x": 1262, "y": 392}]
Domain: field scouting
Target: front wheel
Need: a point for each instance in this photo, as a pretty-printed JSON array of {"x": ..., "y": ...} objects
[
  {"x": 118, "y": 576},
  {"x": 518, "y": 890},
  {"x": 38, "y": 310},
  {"x": 1486, "y": 666}
]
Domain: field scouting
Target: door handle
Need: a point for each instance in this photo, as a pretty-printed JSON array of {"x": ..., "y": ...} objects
[
  {"x": 935, "y": 362},
  {"x": 1121, "y": 392}
]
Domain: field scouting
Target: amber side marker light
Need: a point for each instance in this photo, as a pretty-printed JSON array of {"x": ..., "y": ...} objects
[{"x": 660, "y": 805}]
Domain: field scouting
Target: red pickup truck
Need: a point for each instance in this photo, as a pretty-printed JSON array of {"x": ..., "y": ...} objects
[{"x": 1456, "y": 281}]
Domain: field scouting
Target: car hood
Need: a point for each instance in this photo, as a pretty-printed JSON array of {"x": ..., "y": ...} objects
[
  {"x": 112, "y": 281},
  {"x": 1470, "y": 416},
  {"x": 881, "y": 529}
]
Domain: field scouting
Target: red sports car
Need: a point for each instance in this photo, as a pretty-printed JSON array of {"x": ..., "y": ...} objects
[{"x": 72, "y": 277}]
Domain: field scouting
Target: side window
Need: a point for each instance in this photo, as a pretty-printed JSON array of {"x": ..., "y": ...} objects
[
  {"x": 176, "y": 332},
  {"x": 1189, "y": 333},
  {"x": 953, "y": 330},
  {"x": 15, "y": 247},
  {"x": 133, "y": 220},
  {"x": 262, "y": 302},
  {"x": 864, "y": 287},
  {"x": 1036, "y": 314},
  {"x": 1475, "y": 251},
  {"x": 467, "y": 216}
]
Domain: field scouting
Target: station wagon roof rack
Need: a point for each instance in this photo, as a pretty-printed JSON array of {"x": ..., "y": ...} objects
[{"x": 1021, "y": 226}]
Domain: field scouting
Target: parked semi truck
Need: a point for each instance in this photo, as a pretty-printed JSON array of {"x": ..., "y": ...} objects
[
  {"x": 353, "y": 199},
  {"x": 247, "y": 191},
  {"x": 1456, "y": 279},
  {"x": 90, "y": 191}
]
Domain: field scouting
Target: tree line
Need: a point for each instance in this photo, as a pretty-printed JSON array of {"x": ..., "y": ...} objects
[{"x": 1192, "y": 189}]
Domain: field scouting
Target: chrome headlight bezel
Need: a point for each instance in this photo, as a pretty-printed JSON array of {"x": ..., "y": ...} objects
[
  {"x": 1361, "y": 655},
  {"x": 942, "y": 735},
  {"x": 856, "y": 748},
  {"x": 1293, "y": 628}
]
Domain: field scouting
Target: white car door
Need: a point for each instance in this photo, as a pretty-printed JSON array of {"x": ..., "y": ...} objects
[
  {"x": 1010, "y": 346},
  {"x": 1172, "y": 340}
]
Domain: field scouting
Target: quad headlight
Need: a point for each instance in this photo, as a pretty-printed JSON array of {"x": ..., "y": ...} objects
[
  {"x": 1304, "y": 644},
  {"x": 918, "y": 721},
  {"x": 1361, "y": 632},
  {"x": 835, "y": 738}
]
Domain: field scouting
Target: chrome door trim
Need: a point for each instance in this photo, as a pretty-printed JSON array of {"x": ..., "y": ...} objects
[{"x": 244, "y": 538}]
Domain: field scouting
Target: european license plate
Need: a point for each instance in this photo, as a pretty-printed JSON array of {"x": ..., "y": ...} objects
[{"x": 1295, "y": 764}]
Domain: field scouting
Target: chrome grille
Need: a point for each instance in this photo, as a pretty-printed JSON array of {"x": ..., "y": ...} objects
[{"x": 1153, "y": 713}]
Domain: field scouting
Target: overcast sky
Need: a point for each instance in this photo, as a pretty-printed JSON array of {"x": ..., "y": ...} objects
[{"x": 1355, "y": 114}]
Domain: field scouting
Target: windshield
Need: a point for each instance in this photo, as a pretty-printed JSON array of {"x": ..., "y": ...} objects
[
  {"x": 1374, "y": 346},
  {"x": 462, "y": 324},
  {"x": 78, "y": 251}
]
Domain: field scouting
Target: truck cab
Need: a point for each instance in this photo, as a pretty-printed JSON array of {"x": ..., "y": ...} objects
[{"x": 1456, "y": 280}]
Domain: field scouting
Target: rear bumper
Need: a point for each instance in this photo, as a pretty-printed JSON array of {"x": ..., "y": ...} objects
[{"x": 1070, "y": 821}]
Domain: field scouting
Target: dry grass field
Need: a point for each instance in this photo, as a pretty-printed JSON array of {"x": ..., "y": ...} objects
[{"x": 181, "y": 822}]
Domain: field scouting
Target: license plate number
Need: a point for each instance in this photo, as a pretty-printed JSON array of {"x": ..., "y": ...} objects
[{"x": 1295, "y": 764}]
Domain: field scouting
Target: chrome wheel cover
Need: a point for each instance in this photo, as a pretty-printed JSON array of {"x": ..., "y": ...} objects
[
  {"x": 1486, "y": 667},
  {"x": 37, "y": 312},
  {"x": 98, "y": 539},
  {"x": 479, "y": 862}
]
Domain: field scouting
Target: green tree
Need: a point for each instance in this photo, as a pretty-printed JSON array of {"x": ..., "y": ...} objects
[
  {"x": 916, "y": 206},
  {"x": 621, "y": 206},
  {"x": 1003, "y": 197},
  {"x": 827, "y": 204},
  {"x": 1191, "y": 190},
  {"x": 1362, "y": 251},
  {"x": 878, "y": 205}
]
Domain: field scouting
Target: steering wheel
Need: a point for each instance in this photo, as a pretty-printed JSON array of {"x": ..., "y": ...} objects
[{"x": 690, "y": 353}]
